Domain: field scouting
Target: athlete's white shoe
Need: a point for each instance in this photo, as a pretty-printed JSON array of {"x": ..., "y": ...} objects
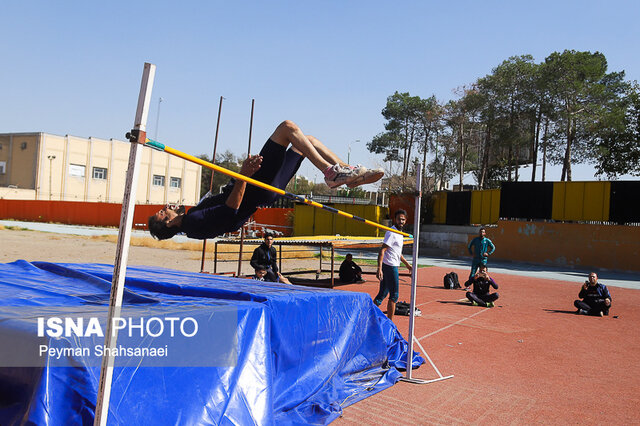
[
  {"x": 369, "y": 176},
  {"x": 337, "y": 174}
]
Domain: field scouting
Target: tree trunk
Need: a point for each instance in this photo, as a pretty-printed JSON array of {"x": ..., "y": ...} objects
[
  {"x": 536, "y": 144},
  {"x": 435, "y": 168},
  {"x": 424, "y": 160},
  {"x": 444, "y": 160},
  {"x": 404, "y": 153},
  {"x": 511, "y": 132},
  {"x": 566, "y": 164},
  {"x": 485, "y": 154},
  {"x": 409, "y": 148},
  {"x": 544, "y": 148},
  {"x": 461, "y": 138},
  {"x": 517, "y": 159}
]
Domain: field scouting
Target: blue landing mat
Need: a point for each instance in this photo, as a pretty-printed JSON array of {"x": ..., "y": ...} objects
[{"x": 265, "y": 354}]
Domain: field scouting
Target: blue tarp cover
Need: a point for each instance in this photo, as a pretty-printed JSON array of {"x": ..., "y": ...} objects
[{"x": 301, "y": 354}]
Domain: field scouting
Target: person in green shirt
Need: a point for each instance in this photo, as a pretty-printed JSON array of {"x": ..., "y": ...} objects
[{"x": 480, "y": 248}]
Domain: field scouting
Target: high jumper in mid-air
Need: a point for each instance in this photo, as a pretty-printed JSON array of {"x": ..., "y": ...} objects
[{"x": 276, "y": 165}]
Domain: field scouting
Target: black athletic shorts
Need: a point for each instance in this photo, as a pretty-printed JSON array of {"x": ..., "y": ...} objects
[{"x": 279, "y": 166}]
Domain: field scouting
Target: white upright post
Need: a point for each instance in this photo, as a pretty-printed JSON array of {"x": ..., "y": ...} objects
[
  {"x": 414, "y": 270},
  {"x": 414, "y": 281},
  {"x": 124, "y": 238}
]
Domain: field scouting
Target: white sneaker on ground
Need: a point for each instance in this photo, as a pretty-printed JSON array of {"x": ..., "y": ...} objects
[
  {"x": 337, "y": 174},
  {"x": 369, "y": 176}
]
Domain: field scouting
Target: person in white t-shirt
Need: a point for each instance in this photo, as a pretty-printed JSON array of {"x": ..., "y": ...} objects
[{"x": 389, "y": 259}]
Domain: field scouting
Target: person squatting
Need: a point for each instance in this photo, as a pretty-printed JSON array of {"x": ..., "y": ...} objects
[{"x": 482, "y": 284}]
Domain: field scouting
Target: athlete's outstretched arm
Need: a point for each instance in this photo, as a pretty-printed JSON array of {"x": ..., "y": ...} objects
[{"x": 249, "y": 167}]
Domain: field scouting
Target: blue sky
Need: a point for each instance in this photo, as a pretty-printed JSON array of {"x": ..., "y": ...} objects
[{"x": 73, "y": 67}]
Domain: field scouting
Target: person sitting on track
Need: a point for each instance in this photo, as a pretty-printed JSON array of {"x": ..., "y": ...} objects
[
  {"x": 482, "y": 284},
  {"x": 349, "y": 271},
  {"x": 275, "y": 165},
  {"x": 265, "y": 257},
  {"x": 260, "y": 274},
  {"x": 596, "y": 299}
]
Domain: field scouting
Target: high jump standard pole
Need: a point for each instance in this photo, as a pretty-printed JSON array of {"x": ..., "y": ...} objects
[
  {"x": 213, "y": 160},
  {"x": 414, "y": 282},
  {"x": 253, "y": 104},
  {"x": 139, "y": 132},
  {"x": 161, "y": 147}
]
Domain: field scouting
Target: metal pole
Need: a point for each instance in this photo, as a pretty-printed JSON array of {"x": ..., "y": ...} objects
[
  {"x": 253, "y": 102},
  {"x": 137, "y": 138},
  {"x": 213, "y": 160},
  {"x": 215, "y": 257},
  {"x": 51, "y": 158},
  {"x": 332, "y": 263},
  {"x": 414, "y": 270}
]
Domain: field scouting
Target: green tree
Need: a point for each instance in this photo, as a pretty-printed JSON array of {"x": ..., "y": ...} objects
[
  {"x": 580, "y": 91},
  {"x": 227, "y": 160},
  {"x": 430, "y": 126},
  {"x": 299, "y": 185},
  {"x": 618, "y": 134},
  {"x": 513, "y": 84},
  {"x": 443, "y": 166},
  {"x": 402, "y": 113},
  {"x": 461, "y": 119}
]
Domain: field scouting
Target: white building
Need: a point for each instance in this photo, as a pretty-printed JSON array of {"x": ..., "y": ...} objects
[{"x": 42, "y": 166}]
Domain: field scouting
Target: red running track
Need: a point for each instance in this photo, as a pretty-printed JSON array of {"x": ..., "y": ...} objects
[{"x": 529, "y": 359}]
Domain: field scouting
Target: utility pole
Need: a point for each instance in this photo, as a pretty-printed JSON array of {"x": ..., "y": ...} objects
[{"x": 51, "y": 158}]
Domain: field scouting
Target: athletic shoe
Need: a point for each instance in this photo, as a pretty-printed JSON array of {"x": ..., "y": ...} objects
[
  {"x": 581, "y": 312},
  {"x": 601, "y": 313},
  {"x": 474, "y": 303},
  {"x": 370, "y": 176},
  {"x": 337, "y": 174},
  {"x": 490, "y": 305}
]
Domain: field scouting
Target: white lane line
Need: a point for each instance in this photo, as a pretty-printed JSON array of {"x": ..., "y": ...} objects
[
  {"x": 452, "y": 324},
  {"x": 425, "y": 303}
]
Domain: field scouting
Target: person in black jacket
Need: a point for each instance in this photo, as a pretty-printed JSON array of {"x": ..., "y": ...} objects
[
  {"x": 596, "y": 299},
  {"x": 349, "y": 271},
  {"x": 482, "y": 284},
  {"x": 265, "y": 257}
]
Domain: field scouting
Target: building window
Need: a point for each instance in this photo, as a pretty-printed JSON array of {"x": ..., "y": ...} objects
[
  {"x": 76, "y": 170},
  {"x": 175, "y": 182},
  {"x": 23, "y": 145},
  {"x": 3, "y": 167},
  {"x": 100, "y": 173},
  {"x": 158, "y": 180}
]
